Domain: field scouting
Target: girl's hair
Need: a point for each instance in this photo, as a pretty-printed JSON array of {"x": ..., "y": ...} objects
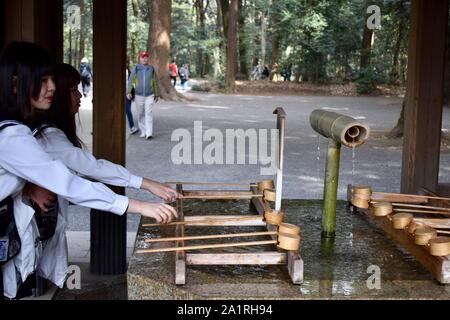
[
  {"x": 22, "y": 66},
  {"x": 60, "y": 113}
]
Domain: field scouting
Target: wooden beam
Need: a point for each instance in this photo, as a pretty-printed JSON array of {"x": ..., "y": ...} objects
[
  {"x": 424, "y": 102},
  {"x": 438, "y": 266},
  {"x": 257, "y": 258},
  {"x": 38, "y": 21},
  {"x": 110, "y": 44},
  {"x": 180, "y": 256}
]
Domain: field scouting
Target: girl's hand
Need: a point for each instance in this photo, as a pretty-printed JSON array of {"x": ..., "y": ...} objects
[
  {"x": 161, "y": 212},
  {"x": 161, "y": 190},
  {"x": 42, "y": 197}
]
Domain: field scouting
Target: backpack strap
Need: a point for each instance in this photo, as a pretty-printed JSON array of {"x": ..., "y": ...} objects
[{"x": 38, "y": 130}]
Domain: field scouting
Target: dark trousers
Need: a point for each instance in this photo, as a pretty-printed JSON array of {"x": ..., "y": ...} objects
[
  {"x": 174, "y": 79},
  {"x": 86, "y": 84},
  {"x": 129, "y": 114}
]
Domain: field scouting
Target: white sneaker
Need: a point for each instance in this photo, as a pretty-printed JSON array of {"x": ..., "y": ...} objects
[
  {"x": 134, "y": 130},
  {"x": 142, "y": 135}
]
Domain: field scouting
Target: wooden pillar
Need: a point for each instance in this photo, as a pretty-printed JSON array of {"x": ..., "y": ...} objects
[
  {"x": 108, "y": 231},
  {"x": 425, "y": 91},
  {"x": 2, "y": 24},
  {"x": 38, "y": 21}
]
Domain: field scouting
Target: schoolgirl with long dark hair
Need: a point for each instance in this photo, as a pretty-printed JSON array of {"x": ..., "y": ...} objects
[
  {"x": 58, "y": 138},
  {"x": 26, "y": 91}
]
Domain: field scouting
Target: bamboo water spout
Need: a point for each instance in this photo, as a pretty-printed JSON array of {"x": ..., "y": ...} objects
[{"x": 340, "y": 130}]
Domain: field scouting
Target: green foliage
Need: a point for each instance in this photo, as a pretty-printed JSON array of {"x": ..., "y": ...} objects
[
  {"x": 319, "y": 40},
  {"x": 367, "y": 80}
]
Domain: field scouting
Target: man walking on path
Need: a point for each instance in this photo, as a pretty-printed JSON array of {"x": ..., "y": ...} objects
[{"x": 144, "y": 81}]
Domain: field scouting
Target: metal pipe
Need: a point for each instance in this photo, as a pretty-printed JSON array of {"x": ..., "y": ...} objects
[{"x": 339, "y": 129}]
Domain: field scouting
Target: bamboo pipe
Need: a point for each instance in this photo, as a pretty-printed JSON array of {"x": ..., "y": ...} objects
[
  {"x": 206, "y": 221},
  {"x": 215, "y": 236}
]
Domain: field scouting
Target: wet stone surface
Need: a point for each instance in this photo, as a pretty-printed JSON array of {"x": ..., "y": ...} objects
[{"x": 332, "y": 270}]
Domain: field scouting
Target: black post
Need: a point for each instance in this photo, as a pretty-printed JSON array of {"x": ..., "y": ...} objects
[{"x": 108, "y": 243}]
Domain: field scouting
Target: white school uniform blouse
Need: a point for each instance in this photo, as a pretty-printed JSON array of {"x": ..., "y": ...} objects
[
  {"x": 53, "y": 262},
  {"x": 21, "y": 155},
  {"x": 55, "y": 142},
  {"x": 22, "y": 158}
]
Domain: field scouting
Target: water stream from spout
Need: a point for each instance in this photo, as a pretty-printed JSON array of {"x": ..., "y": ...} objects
[
  {"x": 353, "y": 159},
  {"x": 319, "y": 171}
]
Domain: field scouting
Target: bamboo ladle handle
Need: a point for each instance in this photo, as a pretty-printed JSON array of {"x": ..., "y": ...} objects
[
  {"x": 206, "y": 221},
  {"x": 227, "y": 196},
  {"x": 407, "y": 205},
  {"x": 422, "y": 211},
  {"x": 213, "y": 184},
  {"x": 216, "y": 236},
  {"x": 411, "y": 195},
  {"x": 209, "y": 246}
]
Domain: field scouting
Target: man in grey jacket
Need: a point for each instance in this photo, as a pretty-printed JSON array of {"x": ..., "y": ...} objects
[{"x": 144, "y": 81}]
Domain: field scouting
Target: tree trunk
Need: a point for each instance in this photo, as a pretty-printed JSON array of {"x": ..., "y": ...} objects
[
  {"x": 200, "y": 10},
  {"x": 395, "y": 72},
  {"x": 224, "y": 10},
  {"x": 230, "y": 83},
  {"x": 76, "y": 63},
  {"x": 275, "y": 58},
  {"x": 263, "y": 39},
  {"x": 82, "y": 34},
  {"x": 243, "y": 69},
  {"x": 70, "y": 46},
  {"x": 134, "y": 36},
  {"x": 397, "y": 132},
  {"x": 160, "y": 27},
  {"x": 366, "y": 50},
  {"x": 447, "y": 72},
  {"x": 275, "y": 43}
]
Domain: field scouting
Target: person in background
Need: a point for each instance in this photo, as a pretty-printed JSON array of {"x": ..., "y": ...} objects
[
  {"x": 173, "y": 72},
  {"x": 266, "y": 73},
  {"x": 128, "y": 103},
  {"x": 143, "y": 79},
  {"x": 86, "y": 75},
  {"x": 184, "y": 76}
]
